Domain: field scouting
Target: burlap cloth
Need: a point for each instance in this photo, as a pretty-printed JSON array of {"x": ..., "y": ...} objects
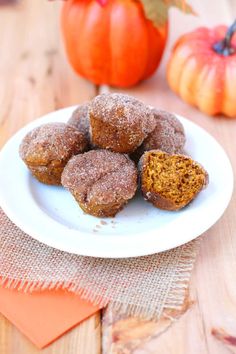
[{"x": 144, "y": 286}]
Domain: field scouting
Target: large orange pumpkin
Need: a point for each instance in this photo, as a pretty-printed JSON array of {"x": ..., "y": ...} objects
[
  {"x": 113, "y": 44},
  {"x": 202, "y": 69}
]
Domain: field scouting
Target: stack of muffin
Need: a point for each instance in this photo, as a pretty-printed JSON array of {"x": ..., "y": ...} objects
[{"x": 105, "y": 146}]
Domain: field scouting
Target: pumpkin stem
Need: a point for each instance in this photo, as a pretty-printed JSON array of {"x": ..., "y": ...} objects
[{"x": 224, "y": 47}]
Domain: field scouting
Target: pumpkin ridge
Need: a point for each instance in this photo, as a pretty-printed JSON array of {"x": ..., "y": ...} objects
[
  {"x": 132, "y": 48},
  {"x": 171, "y": 68},
  {"x": 208, "y": 82},
  {"x": 229, "y": 107},
  {"x": 223, "y": 89},
  {"x": 101, "y": 62},
  {"x": 151, "y": 34},
  {"x": 221, "y": 96},
  {"x": 196, "y": 97},
  {"x": 148, "y": 52},
  {"x": 121, "y": 59},
  {"x": 153, "y": 50},
  {"x": 189, "y": 82},
  {"x": 202, "y": 74},
  {"x": 82, "y": 21},
  {"x": 109, "y": 52},
  {"x": 206, "y": 102}
]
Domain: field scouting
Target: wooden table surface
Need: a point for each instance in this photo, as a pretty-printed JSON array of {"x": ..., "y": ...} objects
[{"x": 36, "y": 79}]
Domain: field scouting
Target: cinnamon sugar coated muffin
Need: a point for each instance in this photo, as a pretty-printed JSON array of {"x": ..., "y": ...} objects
[
  {"x": 101, "y": 181},
  {"x": 119, "y": 122},
  {"x": 170, "y": 181},
  {"x": 167, "y": 136},
  {"x": 47, "y": 148},
  {"x": 80, "y": 119}
]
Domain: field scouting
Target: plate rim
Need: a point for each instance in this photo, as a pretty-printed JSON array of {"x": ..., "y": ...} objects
[{"x": 126, "y": 253}]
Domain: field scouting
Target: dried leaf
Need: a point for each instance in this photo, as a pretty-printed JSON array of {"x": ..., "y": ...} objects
[
  {"x": 181, "y": 5},
  {"x": 157, "y": 10}
]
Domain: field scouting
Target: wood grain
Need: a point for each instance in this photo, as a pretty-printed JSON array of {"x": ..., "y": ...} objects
[
  {"x": 86, "y": 338},
  {"x": 36, "y": 79},
  {"x": 35, "y": 75},
  {"x": 209, "y": 325}
]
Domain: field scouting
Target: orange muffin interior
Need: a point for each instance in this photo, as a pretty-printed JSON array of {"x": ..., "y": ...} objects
[{"x": 176, "y": 178}]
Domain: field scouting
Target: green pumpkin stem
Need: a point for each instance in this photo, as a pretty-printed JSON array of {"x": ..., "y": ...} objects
[{"x": 224, "y": 46}]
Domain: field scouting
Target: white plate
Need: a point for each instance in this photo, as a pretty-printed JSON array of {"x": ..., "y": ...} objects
[{"x": 50, "y": 214}]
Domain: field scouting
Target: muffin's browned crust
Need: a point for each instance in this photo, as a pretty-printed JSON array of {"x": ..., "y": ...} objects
[
  {"x": 119, "y": 122},
  {"x": 46, "y": 150},
  {"x": 101, "y": 181},
  {"x": 80, "y": 119},
  {"x": 167, "y": 136},
  {"x": 170, "y": 182}
]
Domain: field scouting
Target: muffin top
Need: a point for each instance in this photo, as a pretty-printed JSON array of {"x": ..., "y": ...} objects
[
  {"x": 168, "y": 134},
  {"x": 123, "y": 111},
  {"x": 80, "y": 119},
  {"x": 100, "y": 176},
  {"x": 52, "y": 142},
  {"x": 170, "y": 181}
]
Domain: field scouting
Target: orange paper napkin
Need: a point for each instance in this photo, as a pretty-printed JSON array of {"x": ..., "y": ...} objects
[{"x": 44, "y": 316}]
